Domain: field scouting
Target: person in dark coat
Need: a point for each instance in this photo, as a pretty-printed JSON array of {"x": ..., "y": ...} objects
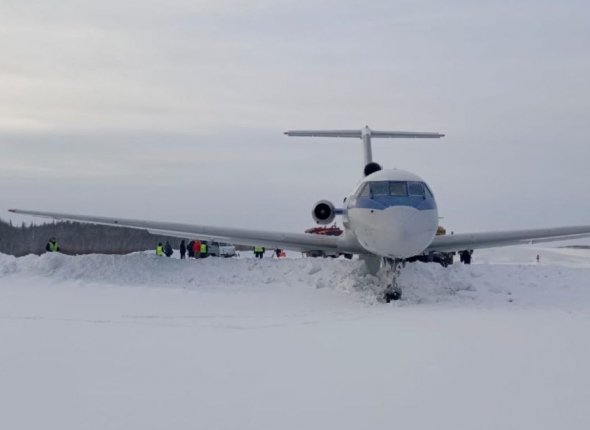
[
  {"x": 466, "y": 256},
  {"x": 191, "y": 251},
  {"x": 168, "y": 249},
  {"x": 182, "y": 250}
]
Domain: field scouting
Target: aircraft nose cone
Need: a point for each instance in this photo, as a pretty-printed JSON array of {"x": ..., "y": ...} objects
[
  {"x": 413, "y": 232},
  {"x": 397, "y": 232}
]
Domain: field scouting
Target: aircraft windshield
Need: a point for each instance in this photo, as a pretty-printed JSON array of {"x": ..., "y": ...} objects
[
  {"x": 379, "y": 188},
  {"x": 397, "y": 189},
  {"x": 393, "y": 188},
  {"x": 416, "y": 189},
  {"x": 385, "y": 188}
]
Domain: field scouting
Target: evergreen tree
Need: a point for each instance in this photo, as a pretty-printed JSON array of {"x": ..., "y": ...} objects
[{"x": 76, "y": 238}]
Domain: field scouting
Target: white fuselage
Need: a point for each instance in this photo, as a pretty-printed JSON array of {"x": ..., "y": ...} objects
[{"x": 392, "y": 213}]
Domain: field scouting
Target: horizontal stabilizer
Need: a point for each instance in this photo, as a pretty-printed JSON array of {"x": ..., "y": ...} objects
[
  {"x": 365, "y": 134},
  {"x": 359, "y": 134}
]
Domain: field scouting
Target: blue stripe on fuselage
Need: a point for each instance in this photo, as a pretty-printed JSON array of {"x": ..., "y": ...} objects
[{"x": 383, "y": 202}]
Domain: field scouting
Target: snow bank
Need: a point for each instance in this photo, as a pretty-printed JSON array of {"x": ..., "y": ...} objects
[
  {"x": 483, "y": 284},
  {"x": 139, "y": 342}
]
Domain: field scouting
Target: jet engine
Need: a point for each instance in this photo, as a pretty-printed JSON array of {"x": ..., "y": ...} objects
[{"x": 323, "y": 212}]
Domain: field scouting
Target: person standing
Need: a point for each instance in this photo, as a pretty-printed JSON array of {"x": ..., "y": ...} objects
[
  {"x": 197, "y": 248},
  {"x": 52, "y": 245},
  {"x": 190, "y": 249},
  {"x": 203, "y": 249},
  {"x": 168, "y": 249},
  {"x": 468, "y": 256},
  {"x": 160, "y": 250},
  {"x": 258, "y": 251},
  {"x": 182, "y": 250}
]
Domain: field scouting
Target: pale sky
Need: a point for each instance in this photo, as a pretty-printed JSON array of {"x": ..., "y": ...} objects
[{"x": 174, "y": 110}]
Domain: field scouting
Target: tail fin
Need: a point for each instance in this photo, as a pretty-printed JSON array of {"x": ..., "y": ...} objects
[{"x": 365, "y": 134}]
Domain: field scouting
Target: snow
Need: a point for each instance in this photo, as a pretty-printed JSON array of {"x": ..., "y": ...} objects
[{"x": 140, "y": 342}]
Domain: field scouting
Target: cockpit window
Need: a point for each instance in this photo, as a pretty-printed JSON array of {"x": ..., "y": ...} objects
[
  {"x": 416, "y": 189},
  {"x": 397, "y": 189},
  {"x": 394, "y": 188},
  {"x": 364, "y": 191},
  {"x": 380, "y": 188}
]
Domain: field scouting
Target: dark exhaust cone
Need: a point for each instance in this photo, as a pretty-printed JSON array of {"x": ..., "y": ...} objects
[{"x": 372, "y": 168}]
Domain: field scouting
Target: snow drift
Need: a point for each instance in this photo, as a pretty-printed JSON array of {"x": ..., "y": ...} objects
[{"x": 487, "y": 284}]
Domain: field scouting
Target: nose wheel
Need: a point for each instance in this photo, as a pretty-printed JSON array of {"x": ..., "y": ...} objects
[{"x": 392, "y": 293}]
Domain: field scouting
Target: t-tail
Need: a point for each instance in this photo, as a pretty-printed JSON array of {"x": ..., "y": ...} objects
[{"x": 365, "y": 134}]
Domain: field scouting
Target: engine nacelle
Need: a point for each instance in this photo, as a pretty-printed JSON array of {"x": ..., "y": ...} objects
[
  {"x": 371, "y": 168},
  {"x": 323, "y": 212}
]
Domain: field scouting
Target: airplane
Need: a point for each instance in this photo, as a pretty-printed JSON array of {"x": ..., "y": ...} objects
[{"x": 390, "y": 216}]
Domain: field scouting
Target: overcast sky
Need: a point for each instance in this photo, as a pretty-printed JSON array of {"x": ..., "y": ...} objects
[{"x": 174, "y": 110}]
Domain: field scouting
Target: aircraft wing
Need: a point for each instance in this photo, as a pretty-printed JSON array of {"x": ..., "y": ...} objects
[
  {"x": 459, "y": 242},
  {"x": 293, "y": 241}
]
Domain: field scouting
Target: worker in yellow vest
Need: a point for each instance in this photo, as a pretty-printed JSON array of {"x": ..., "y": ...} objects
[
  {"x": 52, "y": 245},
  {"x": 203, "y": 250},
  {"x": 259, "y": 251},
  {"x": 160, "y": 250}
]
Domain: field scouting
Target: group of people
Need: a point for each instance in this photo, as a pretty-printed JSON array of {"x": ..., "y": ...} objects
[
  {"x": 194, "y": 249},
  {"x": 260, "y": 250},
  {"x": 200, "y": 249},
  {"x": 166, "y": 249}
]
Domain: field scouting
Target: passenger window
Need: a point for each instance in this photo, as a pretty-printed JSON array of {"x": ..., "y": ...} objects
[
  {"x": 416, "y": 189},
  {"x": 398, "y": 189},
  {"x": 379, "y": 188},
  {"x": 428, "y": 192}
]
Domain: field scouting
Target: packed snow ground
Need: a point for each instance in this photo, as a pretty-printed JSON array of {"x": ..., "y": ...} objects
[{"x": 140, "y": 342}]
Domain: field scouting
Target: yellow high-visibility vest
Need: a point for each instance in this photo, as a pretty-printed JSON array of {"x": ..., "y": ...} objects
[
  {"x": 203, "y": 248},
  {"x": 159, "y": 250},
  {"x": 258, "y": 249},
  {"x": 53, "y": 247}
]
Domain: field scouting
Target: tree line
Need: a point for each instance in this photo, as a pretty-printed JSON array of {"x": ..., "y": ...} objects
[{"x": 76, "y": 238}]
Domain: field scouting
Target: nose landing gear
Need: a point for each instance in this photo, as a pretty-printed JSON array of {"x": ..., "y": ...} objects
[
  {"x": 386, "y": 267},
  {"x": 393, "y": 291}
]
